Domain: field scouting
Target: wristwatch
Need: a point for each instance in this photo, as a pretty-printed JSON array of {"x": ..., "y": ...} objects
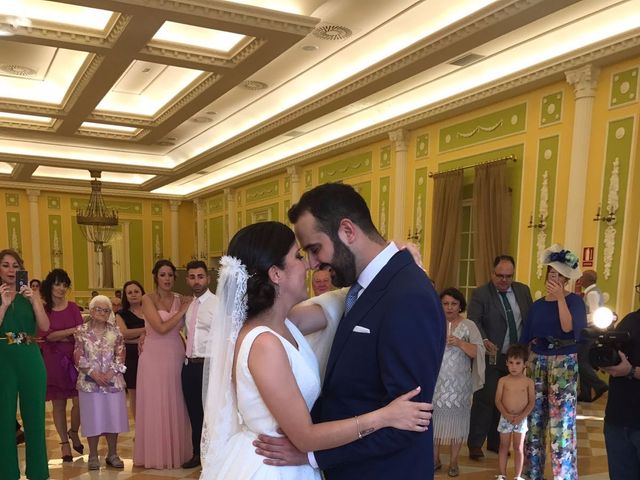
[{"x": 632, "y": 373}]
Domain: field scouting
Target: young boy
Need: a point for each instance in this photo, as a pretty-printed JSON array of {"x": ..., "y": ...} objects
[{"x": 515, "y": 397}]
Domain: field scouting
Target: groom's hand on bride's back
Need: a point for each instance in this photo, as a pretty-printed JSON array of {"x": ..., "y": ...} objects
[{"x": 279, "y": 451}]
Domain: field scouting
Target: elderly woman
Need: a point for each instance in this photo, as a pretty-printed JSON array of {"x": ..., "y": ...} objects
[
  {"x": 23, "y": 372},
  {"x": 461, "y": 374},
  {"x": 99, "y": 355},
  {"x": 57, "y": 351},
  {"x": 553, "y": 330}
]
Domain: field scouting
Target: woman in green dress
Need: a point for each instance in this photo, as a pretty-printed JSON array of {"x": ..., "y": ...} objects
[{"x": 23, "y": 373}]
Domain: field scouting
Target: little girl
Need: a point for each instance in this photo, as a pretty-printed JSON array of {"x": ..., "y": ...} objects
[
  {"x": 515, "y": 397},
  {"x": 99, "y": 356}
]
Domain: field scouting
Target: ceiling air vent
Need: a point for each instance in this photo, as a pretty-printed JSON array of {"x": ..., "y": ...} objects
[
  {"x": 17, "y": 70},
  {"x": 332, "y": 32},
  {"x": 467, "y": 59}
]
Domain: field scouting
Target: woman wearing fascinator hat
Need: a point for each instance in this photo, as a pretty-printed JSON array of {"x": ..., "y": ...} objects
[{"x": 553, "y": 331}]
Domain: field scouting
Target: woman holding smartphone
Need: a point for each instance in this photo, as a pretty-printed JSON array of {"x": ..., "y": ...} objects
[
  {"x": 23, "y": 372},
  {"x": 553, "y": 329}
]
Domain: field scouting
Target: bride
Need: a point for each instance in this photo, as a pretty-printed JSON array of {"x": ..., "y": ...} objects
[{"x": 262, "y": 375}]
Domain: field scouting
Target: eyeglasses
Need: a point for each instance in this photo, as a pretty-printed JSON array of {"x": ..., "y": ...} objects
[
  {"x": 102, "y": 310},
  {"x": 503, "y": 277}
]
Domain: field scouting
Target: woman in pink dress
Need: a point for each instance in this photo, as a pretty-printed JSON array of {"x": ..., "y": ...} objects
[
  {"x": 57, "y": 350},
  {"x": 163, "y": 432}
]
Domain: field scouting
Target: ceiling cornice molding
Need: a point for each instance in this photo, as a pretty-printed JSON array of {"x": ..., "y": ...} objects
[
  {"x": 51, "y": 185},
  {"x": 484, "y": 21},
  {"x": 201, "y": 59},
  {"x": 76, "y": 90},
  {"x": 86, "y": 164},
  {"x": 551, "y": 72},
  {"x": 202, "y": 13}
]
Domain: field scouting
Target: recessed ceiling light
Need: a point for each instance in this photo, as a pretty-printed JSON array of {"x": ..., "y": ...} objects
[
  {"x": 165, "y": 143},
  {"x": 202, "y": 119},
  {"x": 254, "y": 85},
  {"x": 211, "y": 112},
  {"x": 310, "y": 48},
  {"x": 332, "y": 32}
]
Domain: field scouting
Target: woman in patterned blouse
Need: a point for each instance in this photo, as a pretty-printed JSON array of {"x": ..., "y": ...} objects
[{"x": 99, "y": 355}]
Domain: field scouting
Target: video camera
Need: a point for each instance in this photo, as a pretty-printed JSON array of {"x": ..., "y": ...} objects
[{"x": 604, "y": 351}]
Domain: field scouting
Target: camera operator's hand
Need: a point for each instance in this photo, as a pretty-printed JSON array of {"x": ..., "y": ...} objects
[{"x": 620, "y": 370}]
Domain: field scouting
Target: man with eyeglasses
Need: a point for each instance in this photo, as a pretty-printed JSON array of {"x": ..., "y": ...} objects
[{"x": 499, "y": 308}]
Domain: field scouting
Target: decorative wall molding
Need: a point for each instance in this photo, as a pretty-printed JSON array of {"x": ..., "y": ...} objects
[{"x": 612, "y": 207}]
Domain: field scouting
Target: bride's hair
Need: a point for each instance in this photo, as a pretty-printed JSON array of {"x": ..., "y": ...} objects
[{"x": 259, "y": 247}]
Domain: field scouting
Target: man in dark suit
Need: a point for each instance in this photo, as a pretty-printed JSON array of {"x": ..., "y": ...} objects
[
  {"x": 390, "y": 340},
  {"x": 499, "y": 308}
]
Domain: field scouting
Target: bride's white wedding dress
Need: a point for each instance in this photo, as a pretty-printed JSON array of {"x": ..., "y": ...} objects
[{"x": 240, "y": 462}]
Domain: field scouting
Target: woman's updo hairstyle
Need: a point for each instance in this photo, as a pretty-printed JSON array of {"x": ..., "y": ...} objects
[
  {"x": 259, "y": 247},
  {"x": 158, "y": 265}
]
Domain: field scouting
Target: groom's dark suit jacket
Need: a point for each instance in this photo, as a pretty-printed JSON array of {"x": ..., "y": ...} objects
[{"x": 366, "y": 371}]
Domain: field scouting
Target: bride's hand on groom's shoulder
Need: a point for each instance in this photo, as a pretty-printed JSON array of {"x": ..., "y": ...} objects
[
  {"x": 279, "y": 451},
  {"x": 405, "y": 414}
]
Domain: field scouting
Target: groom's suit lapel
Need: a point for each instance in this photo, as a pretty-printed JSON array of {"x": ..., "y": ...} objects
[{"x": 365, "y": 303}]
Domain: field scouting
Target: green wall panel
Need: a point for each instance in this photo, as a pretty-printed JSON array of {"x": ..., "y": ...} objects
[
  {"x": 216, "y": 235},
  {"x": 263, "y": 214},
  {"x": 345, "y": 168},
  {"x": 624, "y": 87},
  {"x": 136, "y": 252},
  {"x": 14, "y": 232},
  {"x": 385, "y": 157},
  {"x": 422, "y": 146},
  {"x": 157, "y": 240},
  {"x": 262, "y": 192},
  {"x": 419, "y": 205},
  {"x": 616, "y": 176},
  {"x": 546, "y": 177},
  {"x": 383, "y": 207},
  {"x": 80, "y": 257},
  {"x": 55, "y": 241},
  {"x": 551, "y": 109},
  {"x": 12, "y": 199},
  {"x": 487, "y": 127},
  {"x": 215, "y": 204}
]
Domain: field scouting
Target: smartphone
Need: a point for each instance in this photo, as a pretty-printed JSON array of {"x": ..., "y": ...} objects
[{"x": 22, "y": 278}]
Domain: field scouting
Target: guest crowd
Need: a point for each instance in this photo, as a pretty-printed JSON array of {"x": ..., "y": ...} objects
[{"x": 509, "y": 377}]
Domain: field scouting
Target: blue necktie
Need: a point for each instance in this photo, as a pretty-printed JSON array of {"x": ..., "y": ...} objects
[{"x": 352, "y": 296}]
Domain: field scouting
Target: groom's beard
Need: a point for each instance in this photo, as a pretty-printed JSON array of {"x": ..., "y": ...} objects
[{"x": 343, "y": 265}]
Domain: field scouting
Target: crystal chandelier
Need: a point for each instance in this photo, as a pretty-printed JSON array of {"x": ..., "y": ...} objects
[{"x": 97, "y": 222}]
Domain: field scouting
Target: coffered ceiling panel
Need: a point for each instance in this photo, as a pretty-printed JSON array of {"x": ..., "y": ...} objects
[{"x": 180, "y": 97}]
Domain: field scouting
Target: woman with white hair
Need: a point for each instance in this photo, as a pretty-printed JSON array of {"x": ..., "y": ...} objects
[
  {"x": 99, "y": 355},
  {"x": 553, "y": 329}
]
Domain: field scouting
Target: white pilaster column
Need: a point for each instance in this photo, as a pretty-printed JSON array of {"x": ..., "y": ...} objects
[
  {"x": 232, "y": 215},
  {"x": 175, "y": 230},
  {"x": 294, "y": 178},
  {"x": 34, "y": 219},
  {"x": 584, "y": 81},
  {"x": 400, "y": 139}
]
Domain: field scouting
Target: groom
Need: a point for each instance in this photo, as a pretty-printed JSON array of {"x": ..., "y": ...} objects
[{"x": 390, "y": 340}]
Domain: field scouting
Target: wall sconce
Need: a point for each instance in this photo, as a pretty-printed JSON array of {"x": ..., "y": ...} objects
[
  {"x": 414, "y": 236},
  {"x": 541, "y": 224},
  {"x": 609, "y": 218}
]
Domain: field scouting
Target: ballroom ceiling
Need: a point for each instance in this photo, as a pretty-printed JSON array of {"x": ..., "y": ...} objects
[{"x": 183, "y": 97}]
